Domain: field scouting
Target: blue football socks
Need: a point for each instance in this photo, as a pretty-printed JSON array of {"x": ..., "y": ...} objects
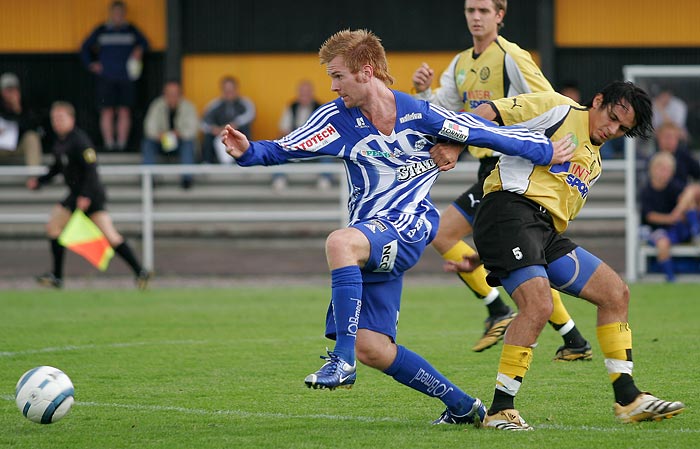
[
  {"x": 693, "y": 221},
  {"x": 346, "y": 296},
  {"x": 414, "y": 371},
  {"x": 667, "y": 267}
]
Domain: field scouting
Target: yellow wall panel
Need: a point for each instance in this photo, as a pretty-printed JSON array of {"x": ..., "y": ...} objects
[
  {"x": 626, "y": 23},
  {"x": 270, "y": 79},
  {"x": 59, "y": 26}
]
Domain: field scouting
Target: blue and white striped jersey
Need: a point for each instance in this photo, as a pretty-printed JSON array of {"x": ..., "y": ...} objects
[{"x": 390, "y": 176}]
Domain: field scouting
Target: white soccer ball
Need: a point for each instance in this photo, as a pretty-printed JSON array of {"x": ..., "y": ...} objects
[{"x": 44, "y": 394}]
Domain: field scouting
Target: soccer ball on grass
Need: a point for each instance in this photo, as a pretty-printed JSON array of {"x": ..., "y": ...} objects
[{"x": 44, "y": 394}]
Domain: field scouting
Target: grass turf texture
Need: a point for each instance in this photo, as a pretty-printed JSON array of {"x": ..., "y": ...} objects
[{"x": 214, "y": 368}]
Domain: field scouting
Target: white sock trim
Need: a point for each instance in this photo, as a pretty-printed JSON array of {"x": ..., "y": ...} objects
[
  {"x": 615, "y": 366},
  {"x": 491, "y": 297},
  {"x": 567, "y": 327},
  {"x": 507, "y": 385}
]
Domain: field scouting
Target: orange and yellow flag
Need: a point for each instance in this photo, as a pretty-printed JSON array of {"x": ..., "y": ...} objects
[{"x": 83, "y": 237}]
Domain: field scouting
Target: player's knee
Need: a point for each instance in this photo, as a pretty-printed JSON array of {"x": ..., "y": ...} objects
[
  {"x": 115, "y": 240},
  {"x": 369, "y": 354},
  {"x": 546, "y": 309},
  {"x": 663, "y": 244},
  {"x": 622, "y": 298},
  {"x": 335, "y": 242},
  {"x": 344, "y": 246},
  {"x": 536, "y": 309},
  {"x": 374, "y": 350}
]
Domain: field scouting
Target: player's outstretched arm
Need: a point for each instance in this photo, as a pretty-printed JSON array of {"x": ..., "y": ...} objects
[
  {"x": 563, "y": 149},
  {"x": 235, "y": 141}
]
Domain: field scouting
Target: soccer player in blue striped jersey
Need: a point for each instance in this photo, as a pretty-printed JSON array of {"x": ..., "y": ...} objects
[{"x": 384, "y": 138}]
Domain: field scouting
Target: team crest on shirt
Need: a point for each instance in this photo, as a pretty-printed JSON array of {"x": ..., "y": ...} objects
[
  {"x": 460, "y": 77},
  {"x": 420, "y": 144},
  {"x": 454, "y": 131},
  {"x": 360, "y": 123},
  {"x": 319, "y": 140},
  {"x": 484, "y": 73}
]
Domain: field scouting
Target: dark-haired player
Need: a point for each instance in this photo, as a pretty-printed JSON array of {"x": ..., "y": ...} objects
[{"x": 518, "y": 232}]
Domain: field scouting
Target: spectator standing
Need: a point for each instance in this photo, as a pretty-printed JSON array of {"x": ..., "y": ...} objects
[
  {"x": 114, "y": 53},
  {"x": 229, "y": 109},
  {"x": 20, "y": 133},
  {"x": 170, "y": 129}
]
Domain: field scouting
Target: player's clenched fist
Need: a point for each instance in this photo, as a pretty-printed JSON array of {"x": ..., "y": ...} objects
[{"x": 423, "y": 77}]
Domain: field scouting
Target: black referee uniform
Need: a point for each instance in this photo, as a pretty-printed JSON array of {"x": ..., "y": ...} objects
[{"x": 76, "y": 160}]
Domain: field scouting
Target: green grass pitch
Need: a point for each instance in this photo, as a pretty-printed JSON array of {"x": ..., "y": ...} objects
[{"x": 224, "y": 368}]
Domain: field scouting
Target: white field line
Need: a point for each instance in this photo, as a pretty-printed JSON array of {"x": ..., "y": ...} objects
[
  {"x": 243, "y": 414},
  {"x": 145, "y": 343},
  {"x": 95, "y": 346},
  {"x": 233, "y": 413},
  {"x": 621, "y": 428}
]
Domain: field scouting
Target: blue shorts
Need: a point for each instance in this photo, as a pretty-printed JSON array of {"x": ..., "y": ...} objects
[
  {"x": 569, "y": 273},
  {"x": 676, "y": 233},
  {"x": 392, "y": 252},
  {"x": 381, "y": 302}
]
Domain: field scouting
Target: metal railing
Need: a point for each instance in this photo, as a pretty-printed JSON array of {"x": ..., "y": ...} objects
[{"x": 148, "y": 215}]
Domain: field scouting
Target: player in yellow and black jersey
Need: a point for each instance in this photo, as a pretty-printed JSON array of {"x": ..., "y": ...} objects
[
  {"x": 494, "y": 68},
  {"x": 518, "y": 232},
  {"x": 75, "y": 159}
]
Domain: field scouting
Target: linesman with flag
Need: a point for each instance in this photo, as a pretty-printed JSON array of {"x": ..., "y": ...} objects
[{"x": 75, "y": 159}]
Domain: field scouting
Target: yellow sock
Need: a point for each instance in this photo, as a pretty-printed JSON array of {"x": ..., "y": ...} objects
[
  {"x": 615, "y": 341},
  {"x": 514, "y": 363},
  {"x": 476, "y": 280},
  {"x": 560, "y": 316}
]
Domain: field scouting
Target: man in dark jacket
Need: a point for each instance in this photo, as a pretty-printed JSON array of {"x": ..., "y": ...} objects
[{"x": 113, "y": 52}]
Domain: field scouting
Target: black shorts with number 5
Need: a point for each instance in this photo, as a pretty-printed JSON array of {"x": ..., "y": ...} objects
[{"x": 511, "y": 232}]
